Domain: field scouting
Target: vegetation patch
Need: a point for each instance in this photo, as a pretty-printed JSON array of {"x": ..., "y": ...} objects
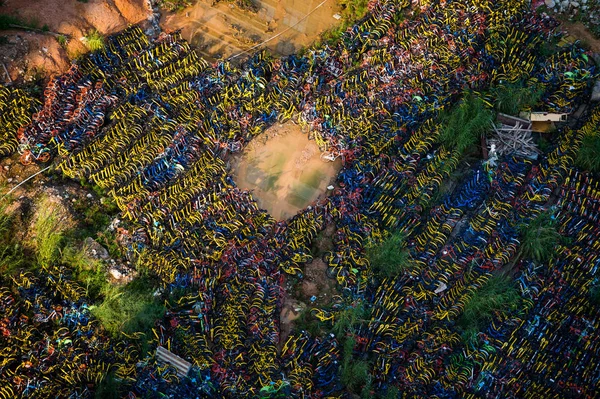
[
  {"x": 539, "y": 237},
  {"x": 465, "y": 124},
  {"x": 94, "y": 40},
  {"x": 391, "y": 257},
  {"x": 588, "y": 156},
  {"x": 130, "y": 308},
  {"x": 497, "y": 295}
]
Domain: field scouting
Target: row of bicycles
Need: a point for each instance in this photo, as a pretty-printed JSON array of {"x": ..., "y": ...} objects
[{"x": 154, "y": 126}]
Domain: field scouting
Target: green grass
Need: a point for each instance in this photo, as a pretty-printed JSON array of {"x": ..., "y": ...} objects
[
  {"x": 7, "y": 20},
  {"x": 588, "y": 156},
  {"x": 62, "y": 40},
  {"x": 11, "y": 252},
  {"x": 390, "y": 257},
  {"x": 49, "y": 233},
  {"x": 94, "y": 40},
  {"x": 88, "y": 271},
  {"x": 465, "y": 124},
  {"x": 129, "y": 308},
  {"x": 539, "y": 237},
  {"x": 497, "y": 295},
  {"x": 512, "y": 99},
  {"x": 350, "y": 318}
]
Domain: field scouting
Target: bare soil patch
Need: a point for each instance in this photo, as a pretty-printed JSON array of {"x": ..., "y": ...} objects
[
  {"x": 221, "y": 30},
  {"x": 284, "y": 171},
  {"x": 26, "y": 53},
  {"x": 579, "y": 31}
]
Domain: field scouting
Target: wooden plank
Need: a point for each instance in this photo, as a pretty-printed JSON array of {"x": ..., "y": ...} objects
[
  {"x": 165, "y": 356},
  {"x": 511, "y": 120}
]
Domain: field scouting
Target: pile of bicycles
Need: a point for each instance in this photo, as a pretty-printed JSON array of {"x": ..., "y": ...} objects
[{"x": 154, "y": 125}]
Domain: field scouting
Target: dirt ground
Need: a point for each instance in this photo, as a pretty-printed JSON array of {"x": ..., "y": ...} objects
[
  {"x": 580, "y": 32},
  {"x": 284, "y": 171},
  {"x": 221, "y": 30},
  {"x": 27, "y": 53}
]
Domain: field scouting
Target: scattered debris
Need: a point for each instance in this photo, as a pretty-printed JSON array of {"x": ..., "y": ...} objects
[{"x": 515, "y": 139}]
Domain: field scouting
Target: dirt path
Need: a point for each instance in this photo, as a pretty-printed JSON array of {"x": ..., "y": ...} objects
[
  {"x": 223, "y": 30},
  {"x": 284, "y": 170}
]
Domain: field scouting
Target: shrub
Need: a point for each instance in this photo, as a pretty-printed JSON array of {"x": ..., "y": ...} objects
[
  {"x": 11, "y": 253},
  {"x": 94, "y": 40},
  {"x": 587, "y": 156},
  {"x": 465, "y": 124},
  {"x": 512, "y": 99},
  {"x": 498, "y": 294},
  {"x": 391, "y": 257},
  {"x": 353, "y": 10},
  {"x": 355, "y": 375},
  {"x": 539, "y": 237},
  {"x": 86, "y": 270},
  {"x": 347, "y": 319},
  {"x": 7, "y": 20},
  {"x": 129, "y": 308},
  {"x": 62, "y": 40}
]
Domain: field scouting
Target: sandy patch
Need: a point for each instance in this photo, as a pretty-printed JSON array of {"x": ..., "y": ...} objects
[
  {"x": 222, "y": 30},
  {"x": 284, "y": 171}
]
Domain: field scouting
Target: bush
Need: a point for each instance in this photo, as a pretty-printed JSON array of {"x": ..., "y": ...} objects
[
  {"x": 355, "y": 375},
  {"x": 94, "y": 40},
  {"x": 391, "y": 257},
  {"x": 512, "y": 99},
  {"x": 588, "y": 155},
  {"x": 595, "y": 293},
  {"x": 7, "y": 20},
  {"x": 465, "y": 124},
  {"x": 349, "y": 318},
  {"x": 62, "y": 40},
  {"x": 539, "y": 237},
  {"x": 353, "y": 10},
  {"x": 130, "y": 308},
  {"x": 11, "y": 253},
  {"x": 497, "y": 295}
]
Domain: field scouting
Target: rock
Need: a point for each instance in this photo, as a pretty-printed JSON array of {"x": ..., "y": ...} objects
[
  {"x": 549, "y": 3},
  {"x": 114, "y": 273},
  {"x": 89, "y": 196},
  {"x": 596, "y": 91},
  {"x": 95, "y": 250}
]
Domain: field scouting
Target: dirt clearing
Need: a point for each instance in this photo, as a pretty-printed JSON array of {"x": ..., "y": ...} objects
[
  {"x": 284, "y": 170},
  {"x": 222, "y": 30},
  {"x": 579, "y": 31},
  {"x": 26, "y": 53}
]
